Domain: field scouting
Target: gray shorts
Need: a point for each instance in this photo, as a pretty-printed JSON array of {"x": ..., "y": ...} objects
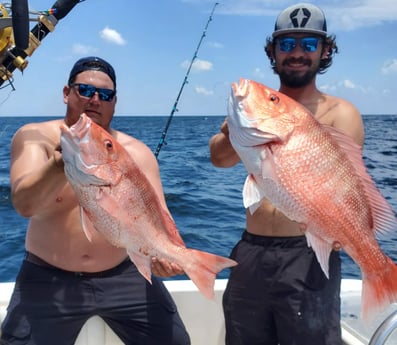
[
  {"x": 278, "y": 294},
  {"x": 49, "y": 306}
]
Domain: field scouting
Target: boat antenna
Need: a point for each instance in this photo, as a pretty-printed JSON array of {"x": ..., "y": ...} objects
[{"x": 174, "y": 108}]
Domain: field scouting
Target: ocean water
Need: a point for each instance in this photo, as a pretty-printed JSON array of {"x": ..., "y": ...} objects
[{"x": 205, "y": 201}]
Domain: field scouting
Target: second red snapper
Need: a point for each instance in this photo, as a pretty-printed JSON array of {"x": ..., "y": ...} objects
[
  {"x": 118, "y": 200},
  {"x": 316, "y": 176}
]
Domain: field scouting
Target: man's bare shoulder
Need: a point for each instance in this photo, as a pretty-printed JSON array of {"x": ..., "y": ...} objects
[
  {"x": 338, "y": 106},
  {"x": 44, "y": 136},
  {"x": 128, "y": 141},
  {"x": 135, "y": 147},
  {"x": 40, "y": 129},
  {"x": 343, "y": 115}
]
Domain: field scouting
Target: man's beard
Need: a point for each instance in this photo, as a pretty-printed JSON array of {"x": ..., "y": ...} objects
[{"x": 296, "y": 79}]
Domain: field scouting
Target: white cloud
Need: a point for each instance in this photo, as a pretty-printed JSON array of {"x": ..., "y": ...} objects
[
  {"x": 203, "y": 91},
  {"x": 198, "y": 65},
  {"x": 112, "y": 36},
  {"x": 80, "y": 49},
  {"x": 327, "y": 88},
  {"x": 349, "y": 84},
  {"x": 389, "y": 66},
  {"x": 362, "y": 13},
  {"x": 341, "y": 15},
  {"x": 216, "y": 45},
  {"x": 343, "y": 85},
  {"x": 258, "y": 73}
]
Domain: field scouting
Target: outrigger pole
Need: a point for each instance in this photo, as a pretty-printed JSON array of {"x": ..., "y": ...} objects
[
  {"x": 16, "y": 57},
  {"x": 174, "y": 108}
]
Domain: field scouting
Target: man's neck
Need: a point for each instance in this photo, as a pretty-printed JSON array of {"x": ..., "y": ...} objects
[{"x": 301, "y": 94}]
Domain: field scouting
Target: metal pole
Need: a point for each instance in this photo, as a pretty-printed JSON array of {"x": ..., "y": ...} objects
[{"x": 384, "y": 330}]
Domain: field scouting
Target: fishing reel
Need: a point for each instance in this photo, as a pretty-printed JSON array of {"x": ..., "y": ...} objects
[
  {"x": 14, "y": 36},
  {"x": 17, "y": 41}
]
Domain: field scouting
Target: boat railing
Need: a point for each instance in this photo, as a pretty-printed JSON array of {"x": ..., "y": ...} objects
[{"x": 385, "y": 329}]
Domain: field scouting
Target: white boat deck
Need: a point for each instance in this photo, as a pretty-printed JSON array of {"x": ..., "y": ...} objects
[
  {"x": 354, "y": 330},
  {"x": 204, "y": 318}
]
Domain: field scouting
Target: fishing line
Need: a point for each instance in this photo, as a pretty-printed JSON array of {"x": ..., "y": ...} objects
[
  {"x": 3, "y": 131},
  {"x": 174, "y": 108},
  {"x": 8, "y": 96}
]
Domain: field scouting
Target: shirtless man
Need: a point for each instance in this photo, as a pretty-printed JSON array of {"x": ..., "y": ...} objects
[
  {"x": 65, "y": 279},
  {"x": 278, "y": 293}
]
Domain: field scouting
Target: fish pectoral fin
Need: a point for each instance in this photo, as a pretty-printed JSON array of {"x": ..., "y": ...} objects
[
  {"x": 322, "y": 249},
  {"x": 268, "y": 165},
  {"x": 252, "y": 194},
  {"x": 143, "y": 264},
  {"x": 86, "y": 224}
]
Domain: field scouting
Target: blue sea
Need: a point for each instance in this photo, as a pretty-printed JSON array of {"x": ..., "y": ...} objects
[{"x": 205, "y": 201}]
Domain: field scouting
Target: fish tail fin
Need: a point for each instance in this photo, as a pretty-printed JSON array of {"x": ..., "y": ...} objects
[
  {"x": 379, "y": 290},
  {"x": 202, "y": 268}
]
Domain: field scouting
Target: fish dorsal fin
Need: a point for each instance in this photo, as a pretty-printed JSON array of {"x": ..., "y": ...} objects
[
  {"x": 384, "y": 218},
  {"x": 154, "y": 203},
  {"x": 172, "y": 230},
  {"x": 345, "y": 142}
]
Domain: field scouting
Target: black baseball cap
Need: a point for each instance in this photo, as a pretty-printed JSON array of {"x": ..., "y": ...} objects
[
  {"x": 92, "y": 63},
  {"x": 301, "y": 18}
]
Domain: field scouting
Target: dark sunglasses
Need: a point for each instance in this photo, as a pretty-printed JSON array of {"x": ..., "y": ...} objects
[
  {"x": 288, "y": 44},
  {"x": 86, "y": 90}
]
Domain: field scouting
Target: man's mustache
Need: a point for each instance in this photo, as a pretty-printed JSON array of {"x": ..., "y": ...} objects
[{"x": 299, "y": 60}]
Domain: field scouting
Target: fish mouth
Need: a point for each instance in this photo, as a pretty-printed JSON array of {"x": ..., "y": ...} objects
[
  {"x": 243, "y": 129},
  {"x": 241, "y": 88},
  {"x": 237, "y": 118},
  {"x": 77, "y": 131},
  {"x": 72, "y": 139},
  {"x": 72, "y": 136}
]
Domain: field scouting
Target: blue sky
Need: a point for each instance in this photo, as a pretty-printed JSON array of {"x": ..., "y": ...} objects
[{"x": 150, "y": 43}]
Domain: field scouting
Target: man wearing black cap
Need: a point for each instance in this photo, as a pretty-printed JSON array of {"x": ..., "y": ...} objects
[
  {"x": 65, "y": 279},
  {"x": 278, "y": 293}
]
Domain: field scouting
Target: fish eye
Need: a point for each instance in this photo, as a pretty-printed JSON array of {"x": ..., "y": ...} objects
[
  {"x": 108, "y": 144},
  {"x": 275, "y": 99}
]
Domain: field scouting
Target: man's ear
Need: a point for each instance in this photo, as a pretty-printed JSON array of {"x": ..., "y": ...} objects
[
  {"x": 66, "y": 91},
  {"x": 325, "y": 52},
  {"x": 272, "y": 54}
]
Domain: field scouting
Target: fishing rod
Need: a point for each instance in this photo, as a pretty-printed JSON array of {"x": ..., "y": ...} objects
[{"x": 174, "y": 108}]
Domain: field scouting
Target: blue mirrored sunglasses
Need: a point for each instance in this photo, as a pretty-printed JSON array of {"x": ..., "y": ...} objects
[
  {"x": 86, "y": 90},
  {"x": 308, "y": 44}
]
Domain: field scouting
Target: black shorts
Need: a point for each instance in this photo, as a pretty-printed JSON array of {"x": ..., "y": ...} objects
[
  {"x": 49, "y": 306},
  {"x": 278, "y": 294}
]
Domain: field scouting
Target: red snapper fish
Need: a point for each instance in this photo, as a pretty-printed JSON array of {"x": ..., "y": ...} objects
[
  {"x": 117, "y": 200},
  {"x": 316, "y": 176}
]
